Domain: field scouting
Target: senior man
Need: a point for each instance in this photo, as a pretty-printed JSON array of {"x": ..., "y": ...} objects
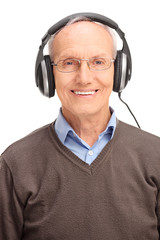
[{"x": 87, "y": 175}]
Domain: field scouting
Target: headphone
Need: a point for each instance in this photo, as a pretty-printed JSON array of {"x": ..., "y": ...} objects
[{"x": 44, "y": 70}]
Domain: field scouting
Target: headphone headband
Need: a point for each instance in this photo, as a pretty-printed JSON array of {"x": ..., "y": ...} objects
[
  {"x": 124, "y": 53},
  {"x": 93, "y": 16}
]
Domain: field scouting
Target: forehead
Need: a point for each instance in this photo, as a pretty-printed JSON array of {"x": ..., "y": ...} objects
[{"x": 82, "y": 36}]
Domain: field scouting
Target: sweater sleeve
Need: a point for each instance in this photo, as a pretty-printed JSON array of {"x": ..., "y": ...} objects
[
  {"x": 158, "y": 211},
  {"x": 11, "y": 210}
]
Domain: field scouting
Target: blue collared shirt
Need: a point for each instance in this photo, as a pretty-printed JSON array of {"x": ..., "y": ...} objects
[{"x": 79, "y": 147}]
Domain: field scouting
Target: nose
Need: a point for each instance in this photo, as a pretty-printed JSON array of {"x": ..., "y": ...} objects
[{"x": 84, "y": 74}]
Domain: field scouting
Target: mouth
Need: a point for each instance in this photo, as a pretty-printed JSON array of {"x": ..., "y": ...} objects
[{"x": 84, "y": 92}]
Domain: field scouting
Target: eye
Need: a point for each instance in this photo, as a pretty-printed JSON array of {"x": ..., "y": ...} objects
[
  {"x": 69, "y": 62},
  {"x": 98, "y": 61}
]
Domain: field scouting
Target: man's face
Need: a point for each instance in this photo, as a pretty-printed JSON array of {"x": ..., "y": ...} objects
[{"x": 83, "y": 40}]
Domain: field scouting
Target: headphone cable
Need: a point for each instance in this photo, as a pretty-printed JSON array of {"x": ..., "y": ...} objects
[{"x": 119, "y": 95}]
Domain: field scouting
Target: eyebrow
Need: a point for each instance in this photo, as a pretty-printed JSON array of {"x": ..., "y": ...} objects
[
  {"x": 102, "y": 55},
  {"x": 63, "y": 57}
]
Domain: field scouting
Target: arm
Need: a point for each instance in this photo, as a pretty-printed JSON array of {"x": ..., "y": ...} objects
[
  {"x": 11, "y": 210},
  {"x": 158, "y": 212}
]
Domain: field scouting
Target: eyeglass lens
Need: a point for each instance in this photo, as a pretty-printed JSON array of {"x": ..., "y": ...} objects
[{"x": 97, "y": 64}]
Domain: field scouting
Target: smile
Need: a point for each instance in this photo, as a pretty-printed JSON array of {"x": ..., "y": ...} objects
[{"x": 84, "y": 92}]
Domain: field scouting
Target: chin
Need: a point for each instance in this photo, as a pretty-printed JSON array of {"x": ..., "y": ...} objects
[{"x": 85, "y": 112}]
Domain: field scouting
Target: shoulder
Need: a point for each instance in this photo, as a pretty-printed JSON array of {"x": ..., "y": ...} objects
[
  {"x": 129, "y": 129},
  {"x": 139, "y": 150},
  {"x": 137, "y": 137},
  {"x": 34, "y": 142}
]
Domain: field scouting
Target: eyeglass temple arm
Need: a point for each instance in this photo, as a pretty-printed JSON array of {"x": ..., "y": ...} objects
[{"x": 53, "y": 64}]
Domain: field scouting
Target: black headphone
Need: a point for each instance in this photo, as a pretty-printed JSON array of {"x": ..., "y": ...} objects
[{"x": 44, "y": 69}]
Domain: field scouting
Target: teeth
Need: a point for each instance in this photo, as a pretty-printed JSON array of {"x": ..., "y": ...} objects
[{"x": 84, "y": 93}]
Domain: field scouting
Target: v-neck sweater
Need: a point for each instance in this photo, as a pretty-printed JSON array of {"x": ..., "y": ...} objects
[{"x": 48, "y": 193}]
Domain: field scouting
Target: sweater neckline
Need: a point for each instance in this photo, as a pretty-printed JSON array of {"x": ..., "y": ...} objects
[{"x": 90, "y": 169}]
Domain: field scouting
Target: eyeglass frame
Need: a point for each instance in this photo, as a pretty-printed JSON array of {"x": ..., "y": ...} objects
[{"x": 79, "y": 60}]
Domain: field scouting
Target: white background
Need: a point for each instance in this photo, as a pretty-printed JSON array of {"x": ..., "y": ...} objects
[{"x": 23, "y": 24}]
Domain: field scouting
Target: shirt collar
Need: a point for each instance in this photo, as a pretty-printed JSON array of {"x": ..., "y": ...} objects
[
  {"x": 111, "y": 124},
  {"x": 63, "y": 128}
]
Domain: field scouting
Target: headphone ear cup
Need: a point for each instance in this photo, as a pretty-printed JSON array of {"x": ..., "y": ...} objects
[
  {"x": 50, "y": 77},
  {"x": 39, "y": 78},
  {"x": 121, "y": 72},
  {"x": 117, "y": 72},
  {"x": 44, "y": 77}
]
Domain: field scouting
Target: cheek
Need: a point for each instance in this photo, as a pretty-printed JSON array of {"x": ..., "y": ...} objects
[
  {"x": 58, "y": 78},
  {"x": 107, "y": 80},
  {"x": 110, "y": 78},
  {"x": 61, "y": 84}
]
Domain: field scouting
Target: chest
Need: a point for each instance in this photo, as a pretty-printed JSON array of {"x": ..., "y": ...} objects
[{"x": 116, "y": 199}]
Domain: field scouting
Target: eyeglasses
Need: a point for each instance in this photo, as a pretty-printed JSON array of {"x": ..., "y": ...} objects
[{"x": 71, "y": 65}]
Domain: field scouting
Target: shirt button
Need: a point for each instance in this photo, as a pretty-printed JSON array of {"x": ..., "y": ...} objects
[{"x": 90, "y": 152}]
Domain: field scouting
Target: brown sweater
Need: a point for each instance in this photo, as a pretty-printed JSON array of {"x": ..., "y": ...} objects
[{"x": 48, "y": 193}]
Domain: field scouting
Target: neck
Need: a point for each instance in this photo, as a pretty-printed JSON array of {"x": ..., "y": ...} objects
[{"x": 87, "y": 127}]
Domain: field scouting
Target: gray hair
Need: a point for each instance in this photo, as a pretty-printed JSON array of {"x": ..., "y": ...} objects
[{"x": 80, "y": 19}]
